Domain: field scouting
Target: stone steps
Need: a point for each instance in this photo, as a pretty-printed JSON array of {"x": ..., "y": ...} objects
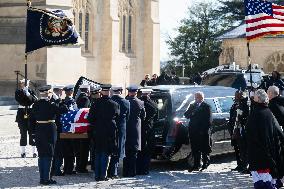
[{"x": 8, "y": 103}]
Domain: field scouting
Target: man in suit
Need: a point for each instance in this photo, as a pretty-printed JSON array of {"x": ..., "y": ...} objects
[
  {"x": 102, "y": 116},
  {"x": 120, "y": 132},
  {"x": 25, "y": 97},
  {"x": 133, "y": 132},
  {"x": 200, "y": 117}
]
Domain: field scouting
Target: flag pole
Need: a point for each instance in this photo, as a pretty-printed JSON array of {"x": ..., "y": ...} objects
[
  {"x": 249, "y": 68},
  {"x": 26, "y": 66},
  {"x": 26, "y": 55}
]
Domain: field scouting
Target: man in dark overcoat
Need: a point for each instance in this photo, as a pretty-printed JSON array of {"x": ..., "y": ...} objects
[
  {"x": 133, "y": 132},
  {"x": 44, "y": 115},
  {"x": 276, "y": 104},
  {"x": 82, "y": 146},
  {"x": 25, "y": 97},
  {"x": 102, "y": 116},
  {"x": 120, "y": 132},
  {"x": 265, "y": 144},
  {"x": 147, "y": 138},
  {"x": 200, "y": 117}
]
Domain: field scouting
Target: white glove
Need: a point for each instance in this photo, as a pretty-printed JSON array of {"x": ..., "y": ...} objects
[
  {"x": 26, "y": 91},
  {"x": 54, "y": 96},
  {"x": 239, "y": 112}
]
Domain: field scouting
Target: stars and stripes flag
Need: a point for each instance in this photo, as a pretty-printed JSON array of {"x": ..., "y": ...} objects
[
  {"x": 75, "y": 121},
  {"x": 263, "y": 18}
]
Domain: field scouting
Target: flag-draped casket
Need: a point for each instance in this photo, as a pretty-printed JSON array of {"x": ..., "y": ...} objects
[{"x": 75, "y": 121}]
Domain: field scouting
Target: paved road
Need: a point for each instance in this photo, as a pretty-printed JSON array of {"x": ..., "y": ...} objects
[{"x": 16, "y": 172}]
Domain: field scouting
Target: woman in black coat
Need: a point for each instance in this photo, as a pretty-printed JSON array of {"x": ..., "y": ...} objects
[{"x": 265, "y": 143}]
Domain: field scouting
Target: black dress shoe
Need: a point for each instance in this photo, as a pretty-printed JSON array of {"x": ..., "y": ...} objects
[
  {"x": 238, "y": 168},
  {"x": 45, "y": 182},
  {"x": 52, "y": 181},
  {"x": 205, "y": 166},
  {"x": 23, "y": 155}
]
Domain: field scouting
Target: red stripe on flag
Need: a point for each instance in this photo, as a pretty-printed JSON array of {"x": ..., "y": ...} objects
[
  {"x": 263, "y": 34},
  {"x": 249, "y": 29},
  {"x": 274, "y": 6},
  {"x": 278, "y": 13},
  {"x": 258, "y": 19}
]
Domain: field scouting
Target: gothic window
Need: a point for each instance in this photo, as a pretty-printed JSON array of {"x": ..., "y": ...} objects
[
  {"x": 129, "y": 34},
  {"x": 127, "y": 22},
  {"x": 123, "y": 33},
  {"x": 80, "y": 23},
  {"x": 87, "y": 21}
]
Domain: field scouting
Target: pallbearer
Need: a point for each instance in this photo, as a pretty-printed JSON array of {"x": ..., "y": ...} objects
[
  {"x": 133, "y": 132},
  {"x": 147, "y": 135},
  {"x": 121, "y": 120},
  {"x": 102, "y": 116},
  {"x": 44, "y": 115}
]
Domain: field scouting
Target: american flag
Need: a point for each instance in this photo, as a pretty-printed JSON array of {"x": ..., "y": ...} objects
[
  {"x": 263, "y": 18},
  {"x": 75, "y": 121}
]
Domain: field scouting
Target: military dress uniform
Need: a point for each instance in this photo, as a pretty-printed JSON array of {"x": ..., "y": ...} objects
[
  {"x": 44, "y": 115},
  {"x": 120, "y": 132},
  {"x": 82, "y": 146},
  {"x": 25, "y": 97},
  {"x": 102, "y": 117},
  {"x": 199, "y": 132},
  {"x": 68, "y": 144},
  {"x": 133, "y": 133},
  {"x": 147, "y": 138},
  {"x": 238, "y": 118},
  {"x": 58, "y": 151}
]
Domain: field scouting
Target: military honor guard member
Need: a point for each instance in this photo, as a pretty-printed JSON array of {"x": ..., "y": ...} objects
[
  {"x": 120, "y": 132},
  {"x": 133, "y": 132},
  {"x": 147, "y": 135},
  {"x": 82, "y": 145},
  {"x": 94, "y": 96},
  {"x": 102, "y": 116},
  {"x": 25, "y": 97},
  {"x": 44, "y": 115},
  {"x": 68, "y": 144},
  {"x": 200, "y": 116},
  {"x": 58, "y": 152}
]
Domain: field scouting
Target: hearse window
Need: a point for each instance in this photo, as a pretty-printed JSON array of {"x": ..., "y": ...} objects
[
  {"x": 163, "y": 105},
  {"x": 225, "y": 104},
  {"x": 211, "y": 102}
]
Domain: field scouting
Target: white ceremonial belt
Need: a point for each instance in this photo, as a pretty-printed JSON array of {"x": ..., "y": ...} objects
[
  {"x": 20, "y": 106},
  {"x": 48, "y": 121}
]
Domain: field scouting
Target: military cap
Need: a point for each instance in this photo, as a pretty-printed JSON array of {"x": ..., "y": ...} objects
[
  {"x": 44, "y": 89},
  {"x": 116, "y": 88},
  {"x": 58, "y": 86},
  {"x": 106, "y": 87},
  {"x": 146, "y": 91},
  {"x": 95, "y": 89},
  {"x": 85, "y": 87},
  {"x": 69, "y": 88},
  {"x": 132, "y": 88}
]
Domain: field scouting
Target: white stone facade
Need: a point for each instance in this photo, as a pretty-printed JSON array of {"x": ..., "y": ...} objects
[{"x": 122, "y": 43}]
